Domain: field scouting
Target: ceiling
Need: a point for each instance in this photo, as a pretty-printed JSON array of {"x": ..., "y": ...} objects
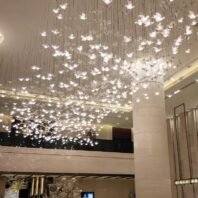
[{"x": 22, "y": 21}]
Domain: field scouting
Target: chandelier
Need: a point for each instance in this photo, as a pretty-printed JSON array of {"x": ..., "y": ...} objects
[{"x": 100, "y": 52}]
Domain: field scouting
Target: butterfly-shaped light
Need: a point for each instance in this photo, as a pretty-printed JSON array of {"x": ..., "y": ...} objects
[
  {"x": 107, "y": 1},
  {"x": 1, "y": 38}
]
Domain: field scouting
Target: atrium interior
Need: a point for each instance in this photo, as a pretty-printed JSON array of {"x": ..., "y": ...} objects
[{"x": 98, "y": 99}]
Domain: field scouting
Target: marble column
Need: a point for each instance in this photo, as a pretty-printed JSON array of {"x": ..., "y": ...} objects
[
  {"x": 2, "y": 186},
  {"x": 152, "y": 168}
]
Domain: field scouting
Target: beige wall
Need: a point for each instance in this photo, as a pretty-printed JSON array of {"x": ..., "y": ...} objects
[
  {"x": 189, "y": 96},
  {"x": 108, "y": 188},
  {"x": 105, "y": 132}
]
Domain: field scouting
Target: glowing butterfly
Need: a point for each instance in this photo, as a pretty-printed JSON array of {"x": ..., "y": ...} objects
[
  {"x": 56, "y": 32},
  {"x": 44, "y": 34},
  {"x": 129, "y": 5},
  {"x": 56, "y": 11},
  {"x": 80, "y": 48},
  {"x": 158, "y": 17},
  {"x": 181, "y": 20},
  {"x": 130, "y": 55},
  {"x": 153, "y": 34},
  {"x": 83, "y": 16},
  {"x": 107, "y": 1},
  {"x": 178, "y": 41},
  {"x": 86, "y": 38},
  {"x": 60, "y": 17},
  {"x": 157, "y": 50},
  {"x": 71, "y": 36},
  {"x": 45, "y": 46},
  {"x": 188, "y": 30},
  {"x": 92, "y": 56},
  {"x": 192, "y": 15},
  {"x": 63, "y": 6},
  {"x": 127, "y": 39}
]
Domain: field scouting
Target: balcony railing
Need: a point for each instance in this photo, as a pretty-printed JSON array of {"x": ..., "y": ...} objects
[{"x": 13, "y": 140}]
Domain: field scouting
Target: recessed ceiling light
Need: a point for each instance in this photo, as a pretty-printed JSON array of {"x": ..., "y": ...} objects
[{"x": 1, "y": 38}]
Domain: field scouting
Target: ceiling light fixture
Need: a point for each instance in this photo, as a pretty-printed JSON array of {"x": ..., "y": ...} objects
[{"x": 96, "y": 64}]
